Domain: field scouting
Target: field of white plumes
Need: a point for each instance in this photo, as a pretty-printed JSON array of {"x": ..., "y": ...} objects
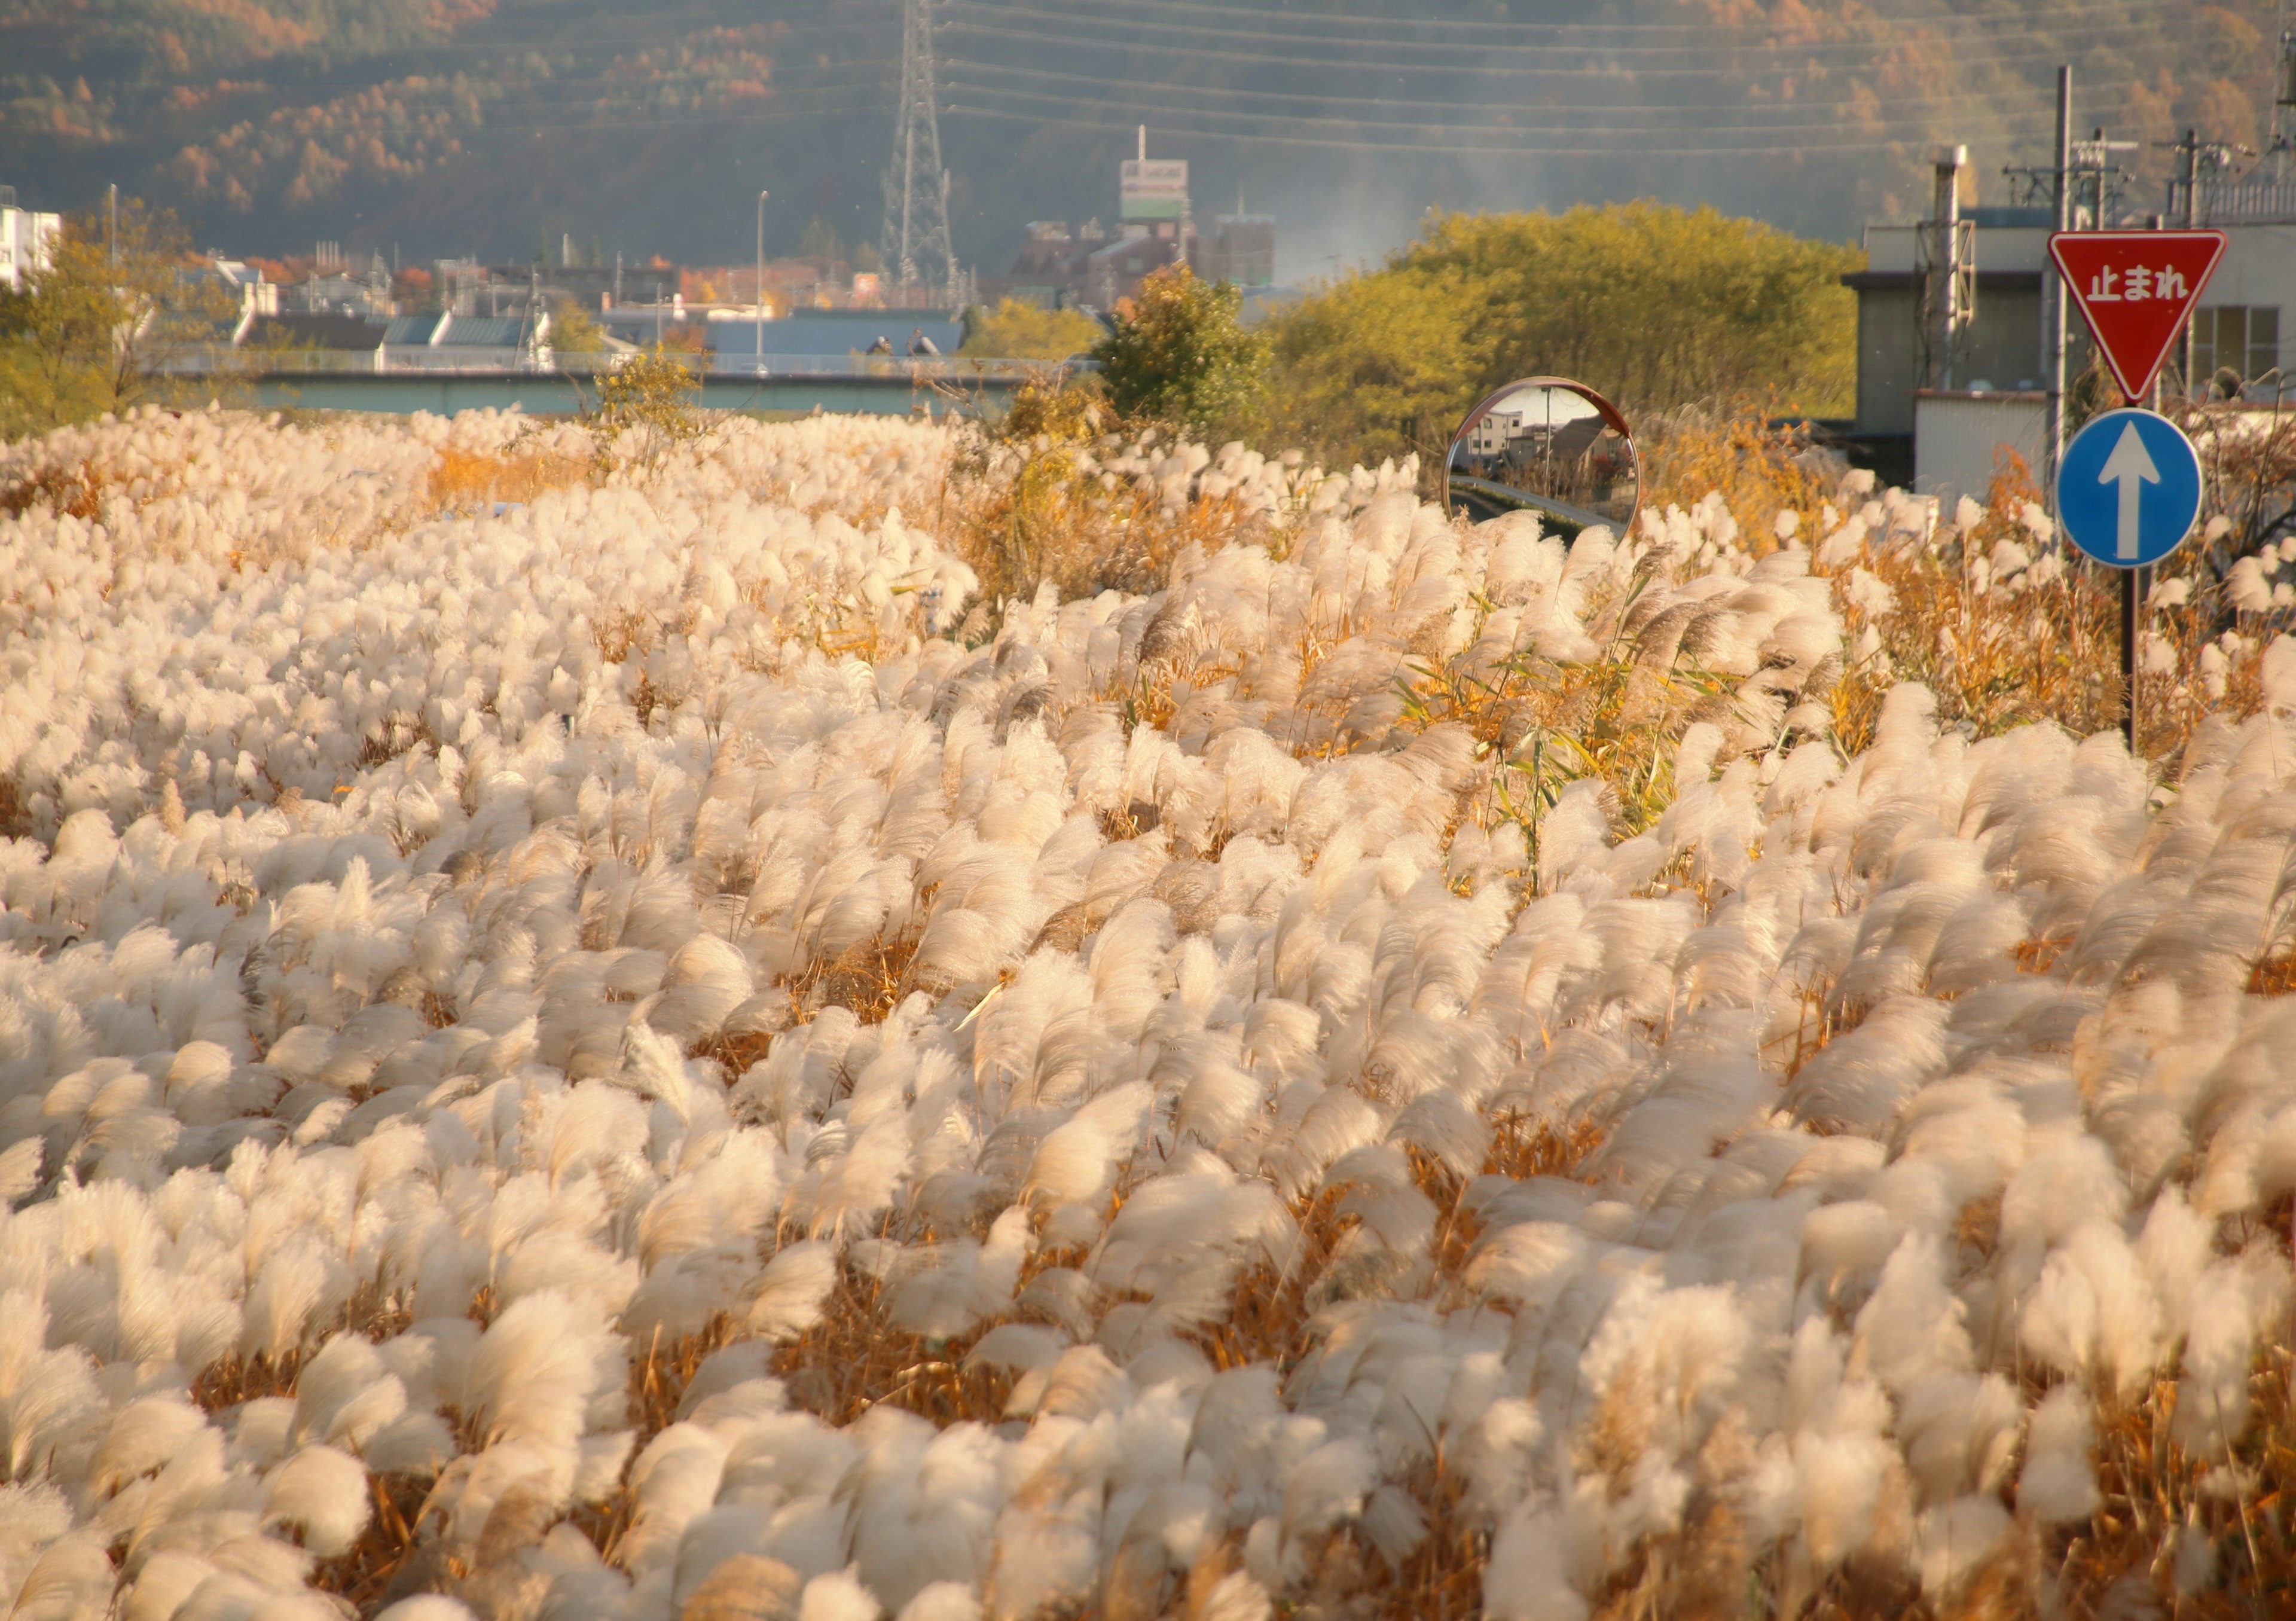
[{"x": 590, "y": 1057}]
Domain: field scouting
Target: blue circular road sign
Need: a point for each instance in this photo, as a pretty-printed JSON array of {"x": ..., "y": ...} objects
[{"x": 2129, "y": 489}]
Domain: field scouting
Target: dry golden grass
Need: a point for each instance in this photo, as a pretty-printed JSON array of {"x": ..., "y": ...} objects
[
  {"x": 467, "y": 478},
  {"x": 2176, "y": 1534},
  {"x": 1024, "y": 510},
  {"x": 1759, "y": 465},
  {"x": 363, "y": 1574},
  {"x": 855, "y": 1359},
  {"x": 78, "y": 491}
]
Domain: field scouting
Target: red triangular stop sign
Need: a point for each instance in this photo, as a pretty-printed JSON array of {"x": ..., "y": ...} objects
[{"x": 2135, "y": 288}]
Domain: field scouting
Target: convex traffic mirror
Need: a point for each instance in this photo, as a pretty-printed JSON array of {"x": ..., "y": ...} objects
[{"x": 1549, "y": 445}]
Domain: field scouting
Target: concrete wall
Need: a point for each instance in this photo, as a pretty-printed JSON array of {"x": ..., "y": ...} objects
[
  {"x": 1959, "y": 437},
  {"x": 545, "y": 393}
]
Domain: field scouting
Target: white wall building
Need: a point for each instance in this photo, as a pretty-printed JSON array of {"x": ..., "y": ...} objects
[
  {"x": 1950, "y": 441},
  {"x": 25, "y": 239}
]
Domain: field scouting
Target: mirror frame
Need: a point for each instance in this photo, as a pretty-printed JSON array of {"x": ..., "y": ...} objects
[{"x": 1555, "y": 514}]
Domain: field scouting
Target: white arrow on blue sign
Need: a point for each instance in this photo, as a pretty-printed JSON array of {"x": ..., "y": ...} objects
[{"x": 2129, "y": 489}]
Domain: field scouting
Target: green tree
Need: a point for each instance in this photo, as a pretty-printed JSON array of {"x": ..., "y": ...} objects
[
  {"x": 572, "y": 331},
  {"x": 1655, "y": 305},
  {"x": 1178, "y": 353},
  {"x": 1017, "y": 329},
  {"x": 1375, "y": 366},
  {"x": 93, "y": 330}
]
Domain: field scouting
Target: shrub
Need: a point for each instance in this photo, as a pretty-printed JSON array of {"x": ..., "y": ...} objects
[
  {"x": 1016, "y": 330},
  {"x": 1179, "y": 355}
]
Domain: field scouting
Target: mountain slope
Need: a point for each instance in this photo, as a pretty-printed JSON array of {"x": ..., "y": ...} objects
[{"x": 497, "y": 126}]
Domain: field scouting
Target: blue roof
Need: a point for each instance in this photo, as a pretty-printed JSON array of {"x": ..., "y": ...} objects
[
  {"x": 485, "y": 331},
  {"x": 839, "y": 331},
  {"x": 411, "y": 328}
]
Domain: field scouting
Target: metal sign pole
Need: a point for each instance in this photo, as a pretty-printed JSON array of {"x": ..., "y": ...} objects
[
  {"x": 2128, "y": 485},
  {"x": 2135, "y": 585}
]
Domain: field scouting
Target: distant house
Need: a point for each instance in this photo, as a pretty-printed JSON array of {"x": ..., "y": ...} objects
[{"x": 257, "y": 297}]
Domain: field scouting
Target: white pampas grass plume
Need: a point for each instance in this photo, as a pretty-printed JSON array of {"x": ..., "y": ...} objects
[
  {"x": 322, "y": 1492},
  {"x": 146, "y": 1433},
  {"x": 786, "y": 1298},
  {"x": 33, "y": 1514},
  {"x": 2093, "y": 1312},
  {"x": 427, "y": 1606},
  {"x": 1236, "y": 1597},
  {"x": 2058, "y": 1482},
  {"x": 1327, "y": 1488},
  {"x": 943, "y": 1601},
  {"x": 1913, "y": 1328},
  {"x": 1954, "y": 1540},
  {"x": 837, "y": 1595},
  {"x": 707, "y": 978},
  {"x": 20, "y": 1169},
  {"x": 1078, "y": 1161},
  {"x": 1527, "y": 1576},
  {"x": 343, "y": 1393},
  {"x": 2230, "y": 1306},
  {"x": 858, "y": 1184},
  {"x": 285, "y": 1295},
  {"x": 746, "y": 1587},
  {"x": 71, "y": 1581},
  {"x": 537, "y": 1367}
]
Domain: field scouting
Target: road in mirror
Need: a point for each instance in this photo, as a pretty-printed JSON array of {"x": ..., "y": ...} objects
[{"x": 1549, "y": 446}]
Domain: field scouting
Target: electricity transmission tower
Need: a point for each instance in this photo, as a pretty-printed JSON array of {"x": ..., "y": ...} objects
[{"x": 915, "y": 236}]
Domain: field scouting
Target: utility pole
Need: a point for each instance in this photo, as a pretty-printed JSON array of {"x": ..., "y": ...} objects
[
  {"x": 2189, "y": 150},
  {"x": 2053, "y": 294},
  {"x": 916, "y": 186},
  {"x": 111, "y": 229},
  {"x": 1948, "y": 285},
  {"x": 2284, "y": 106},
  {"x": 760, "y": 281}
]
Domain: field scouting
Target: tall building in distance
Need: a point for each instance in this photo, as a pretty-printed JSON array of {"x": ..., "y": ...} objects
[
  {"x": 1155, "y": 226},
  {"x": 1153, "y": 197}
]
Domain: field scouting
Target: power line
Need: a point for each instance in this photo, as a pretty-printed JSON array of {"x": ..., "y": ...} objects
[
  {"x": 1388, "y": 46},
  {"x": 961, "y": 65},
  {"x": 1382, "y": 60},
  {"x": 1449, "y": 148},
  {"x": 1323, "y": 22}
]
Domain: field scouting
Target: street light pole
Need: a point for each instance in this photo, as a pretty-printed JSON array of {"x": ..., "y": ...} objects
[{"x": 760, "y": 321}]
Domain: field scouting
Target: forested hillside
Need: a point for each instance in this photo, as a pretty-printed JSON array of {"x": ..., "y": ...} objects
[{"x": 495, "y": 125}]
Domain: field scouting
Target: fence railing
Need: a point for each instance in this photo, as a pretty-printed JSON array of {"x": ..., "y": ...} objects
[
  {"x": 396, "y": 360},
  {"x": 2242, "y": 202}
]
